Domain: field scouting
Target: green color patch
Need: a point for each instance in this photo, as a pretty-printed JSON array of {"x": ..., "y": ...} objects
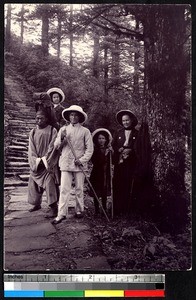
[{"x": 63, "y": 294}]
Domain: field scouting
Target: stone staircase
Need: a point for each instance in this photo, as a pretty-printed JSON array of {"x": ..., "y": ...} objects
[{"x": 19, "y": 116}]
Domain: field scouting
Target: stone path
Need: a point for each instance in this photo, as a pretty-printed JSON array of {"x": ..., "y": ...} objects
[
  {"x": 19, "y": 117},
  {"x": 31, "y": 242}
]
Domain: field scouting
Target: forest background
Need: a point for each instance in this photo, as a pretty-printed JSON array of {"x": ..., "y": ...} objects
[{"x": 107, "y": 57}]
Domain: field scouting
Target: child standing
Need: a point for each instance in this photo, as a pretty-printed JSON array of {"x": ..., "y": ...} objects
[
  {"x": 57, "y": 97},
  {"x": 100, "y": 175}
]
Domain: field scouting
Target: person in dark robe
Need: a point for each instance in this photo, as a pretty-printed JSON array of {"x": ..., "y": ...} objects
[
  {"x": 43, "y": 164},
  {"x": 100, "y": 175},
  {"x": 57, "y": 97},
  {"x": 125, "y": 162}
]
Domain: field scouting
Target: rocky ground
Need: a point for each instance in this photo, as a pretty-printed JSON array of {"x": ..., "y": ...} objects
[{"x": 31, "y": 242}]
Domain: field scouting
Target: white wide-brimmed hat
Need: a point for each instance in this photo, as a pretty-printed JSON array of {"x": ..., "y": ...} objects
[
  {"x": 121, "y": 113},
  {"x": 51, "y": 91},
  {"x": 103, "y": 131},
  {"x": 76, "y": 108}
]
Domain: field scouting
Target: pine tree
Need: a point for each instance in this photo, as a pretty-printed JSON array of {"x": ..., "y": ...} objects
[{"x": 8, "y": 29}]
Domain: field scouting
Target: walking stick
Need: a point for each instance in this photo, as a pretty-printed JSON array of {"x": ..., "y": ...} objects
[
  {"x": 111, "y": 184},
  {"x": 89, "y": 183}
]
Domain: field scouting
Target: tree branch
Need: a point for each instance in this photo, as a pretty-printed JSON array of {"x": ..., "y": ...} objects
[
  {"x": 133, "y": 32},
  {"x": 140, "y": 37}
]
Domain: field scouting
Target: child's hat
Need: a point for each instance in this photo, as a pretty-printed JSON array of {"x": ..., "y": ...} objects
[
  {"x": 74, "y": 108},
  {"x": 121, "y": 113},
  {"x": 51, "y": 91},
  {"x": 103, "y": 131}
]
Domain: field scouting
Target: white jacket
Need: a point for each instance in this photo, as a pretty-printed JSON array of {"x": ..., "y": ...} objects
[{"x": 81, "y": 140}]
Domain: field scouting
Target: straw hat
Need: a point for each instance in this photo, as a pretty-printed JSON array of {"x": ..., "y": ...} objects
[
  {"x": 51, "y": 91},
  {"x": 121, "y": 113},
  {"x": 103, "y": 131},
  {"x": 76, "y": 108}
]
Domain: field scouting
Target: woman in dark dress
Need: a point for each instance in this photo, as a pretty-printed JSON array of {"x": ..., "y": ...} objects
[
  {"x": 57, "y": 97},
  {"x": 124, "y": 162},
  {"x": 100, "y": 175}
]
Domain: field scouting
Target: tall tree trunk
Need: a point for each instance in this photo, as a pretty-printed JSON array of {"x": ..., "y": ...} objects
[
  {"x": 96, "y": 55},
  {"x": 45, "y": 29},
  {"x": 136, "y": 67},
  {"x": 106, "y": 71},
  {"x": 22, "y": 24},
  {"x": 116, "y": 59},
  {"x": 165, "y": 83},
  {"x": 59, "y": 33},
  {"x": 8, "y": 29},
  {"x": 71, "y": 36},
  {"x": 116, "y": 67}
]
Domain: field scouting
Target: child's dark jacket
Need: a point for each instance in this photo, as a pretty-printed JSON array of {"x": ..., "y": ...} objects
[
  {"x": 58, "y": 113},
  {"x": 100, "y": 175}
]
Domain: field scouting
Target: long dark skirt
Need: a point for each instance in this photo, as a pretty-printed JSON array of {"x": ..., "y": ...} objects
[{"x": 123, "y": 184}]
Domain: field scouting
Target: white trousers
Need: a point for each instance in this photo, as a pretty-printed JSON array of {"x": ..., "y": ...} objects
[{"x": 65, "y": 189}]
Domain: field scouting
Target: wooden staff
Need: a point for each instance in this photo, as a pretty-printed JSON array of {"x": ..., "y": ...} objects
[{"x": 111, "y": 184}]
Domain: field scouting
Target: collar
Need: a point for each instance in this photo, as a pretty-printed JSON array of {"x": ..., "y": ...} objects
[
  {"x": 75, "y": 125},
  {"x": 55, "y": 105}
]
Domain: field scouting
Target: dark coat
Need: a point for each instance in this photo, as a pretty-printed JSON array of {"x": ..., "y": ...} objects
[
  {"x": 58, "y": 114},
  {"x": 119, "y": 140},
  {"x": 100, "y": 175},
  {"x": 124, "y": 171}
]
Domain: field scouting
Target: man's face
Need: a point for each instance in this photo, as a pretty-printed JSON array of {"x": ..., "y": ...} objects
[
  {"x": 74, "y": 117},
  {"x": 126, "y": 121},
  {"x": 56, "y": 98},
  {"x": 41, "y": 120}
]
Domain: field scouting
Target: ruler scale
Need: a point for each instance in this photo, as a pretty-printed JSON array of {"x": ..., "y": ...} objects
[{"x": 84, "y": 285}]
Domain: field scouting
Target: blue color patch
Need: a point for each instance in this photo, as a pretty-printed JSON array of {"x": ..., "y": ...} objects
[{"x": 23, "y": 294}]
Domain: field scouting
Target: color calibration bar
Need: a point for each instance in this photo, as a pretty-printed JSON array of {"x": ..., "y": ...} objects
[{"x": 83, "y": 285}]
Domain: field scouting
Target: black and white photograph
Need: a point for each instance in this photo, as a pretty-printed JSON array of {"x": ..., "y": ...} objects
[{"x": 97, "y": 137}]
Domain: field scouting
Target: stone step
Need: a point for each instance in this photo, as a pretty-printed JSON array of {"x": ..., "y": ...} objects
[
  {"x": 18, "y": 164},
  {"x": 8, "y": 174},
  {"x": 14, "y": 183},
  {"x": 18, "y": 159},
  {"x": 28, "y": 113},
  {"x": 17, "y": 171},
  {"x": 21, "y": 131},
  {"x": 21, "y": 126},
  {"x": 18, "y": 130},
  {"x": 17, "y": 148},
  {"x": 20, "y": 136},
  {"x": 22, "y": 115},
  {"x": 19, "y": 118},
  {"x": 17, "y": 122},
  {"x": 17, "y": 153},
  {"x": 24, "y": 177},
  {"x": 20, "y": 143}
]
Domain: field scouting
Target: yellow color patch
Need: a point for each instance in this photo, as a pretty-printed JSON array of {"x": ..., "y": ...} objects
[{"x": 103, "y": 293}]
